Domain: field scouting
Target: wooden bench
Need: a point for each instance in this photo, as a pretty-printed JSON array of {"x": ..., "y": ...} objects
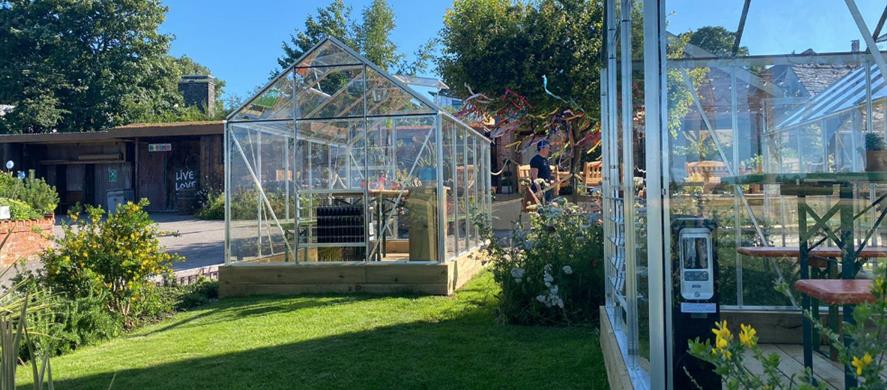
[
  {"x": 837, "y": 291},
  {"x": 833, "y": 292}
]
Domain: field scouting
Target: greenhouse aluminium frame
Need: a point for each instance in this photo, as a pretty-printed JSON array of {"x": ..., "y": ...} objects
[
  {"x": 334, "y": 138},
  {"x": 790, "y": 110}
]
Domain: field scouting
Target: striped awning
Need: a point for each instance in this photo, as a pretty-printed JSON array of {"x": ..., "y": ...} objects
[{"x": 848, "y": 93}]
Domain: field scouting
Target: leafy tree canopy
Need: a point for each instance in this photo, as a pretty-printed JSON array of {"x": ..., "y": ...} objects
[
  {"x": 370, "y": 36},
  {"x": 85, "y": 65},
  {"x": 491, "y": 45}
]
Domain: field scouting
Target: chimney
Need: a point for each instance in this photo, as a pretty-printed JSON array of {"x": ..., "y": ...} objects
[
  {"x": 854, "y": 46},
  {"x": 200, "y": 91}
]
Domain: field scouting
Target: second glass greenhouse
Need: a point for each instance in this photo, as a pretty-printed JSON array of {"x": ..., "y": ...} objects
[{"x": 336, "y": 161}]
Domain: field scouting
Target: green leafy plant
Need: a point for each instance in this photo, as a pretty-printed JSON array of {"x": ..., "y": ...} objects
[
  {"x": 874, "y": 142},
  {"x": 33, "y": 191},
  {"x": 17, "y": 304},
  {"x": 117, "y": 256},
  {"x": 553, "y": 271},
  {"x": 212, "y": 206},
  {"x": 18, "y": 210}
]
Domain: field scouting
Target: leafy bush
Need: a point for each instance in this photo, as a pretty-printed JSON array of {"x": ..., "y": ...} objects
[
  {"x": 113, "y": 257},
  {"x": 553, "y": 274},
  {"x": 33, "y": 191},
  {"x": 212, "y": 206},
  {"x": 19, "y": 211}
]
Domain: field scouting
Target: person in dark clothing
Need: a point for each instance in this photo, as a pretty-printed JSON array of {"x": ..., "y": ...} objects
[{"x": 541, "y": 169}]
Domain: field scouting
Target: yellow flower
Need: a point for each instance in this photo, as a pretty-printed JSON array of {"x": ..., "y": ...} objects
[
  {"x": 862, "y": 363},
  {"x": 748, "y": 335},
  {"x": 721, "y": 343},
  {"x": 721, "y": 330}
]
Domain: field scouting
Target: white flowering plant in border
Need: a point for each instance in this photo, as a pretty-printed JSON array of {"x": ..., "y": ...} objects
[{"x": 550, "y": 272}]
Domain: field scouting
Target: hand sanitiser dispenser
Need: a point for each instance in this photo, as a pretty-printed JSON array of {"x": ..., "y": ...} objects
[
  {"x": 694, "y": 299},
  {"x": 697, "y": 274}
]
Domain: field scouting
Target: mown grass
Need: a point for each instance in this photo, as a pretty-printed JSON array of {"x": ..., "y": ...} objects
[{"x": 341, "y": 341}]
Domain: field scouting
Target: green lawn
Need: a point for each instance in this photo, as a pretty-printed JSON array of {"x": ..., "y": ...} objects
[{"x": 339, "y": 341}]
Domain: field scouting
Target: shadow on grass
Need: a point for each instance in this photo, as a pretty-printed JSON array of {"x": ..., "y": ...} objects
[
  {"x": 233, "y": 309},
  {"x": 466, "y": 349}
]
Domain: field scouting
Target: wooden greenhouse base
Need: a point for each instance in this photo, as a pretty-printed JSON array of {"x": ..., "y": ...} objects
[{"x": 384, "y": 277}]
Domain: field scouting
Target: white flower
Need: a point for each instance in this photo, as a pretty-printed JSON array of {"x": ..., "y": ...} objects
[
  {"x": 517, "y": 273},
  {"x": 542, "y": 298},
  {"x": 560, "y": 303},
  {"x": 568, "y": 270},
  {"x": 487, "y": 242}
]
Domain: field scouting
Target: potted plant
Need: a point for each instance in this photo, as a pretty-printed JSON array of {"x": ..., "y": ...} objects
[{"x": 875, "y": 155}]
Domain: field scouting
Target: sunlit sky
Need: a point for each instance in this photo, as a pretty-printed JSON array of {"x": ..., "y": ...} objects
[{"x": 241, "y": 41}]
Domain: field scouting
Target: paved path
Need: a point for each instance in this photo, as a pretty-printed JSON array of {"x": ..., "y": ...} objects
[{"x": 201, "y": 242}]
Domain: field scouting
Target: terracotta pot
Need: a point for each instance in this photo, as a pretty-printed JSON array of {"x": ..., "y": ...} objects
[{"x": 876, "y": 160}]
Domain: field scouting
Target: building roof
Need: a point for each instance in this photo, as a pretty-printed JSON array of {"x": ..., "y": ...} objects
[
  {"x": 136, "y": 130},
  {"x": 818, "y": 77},
  {"x": 847, "y": 93}
]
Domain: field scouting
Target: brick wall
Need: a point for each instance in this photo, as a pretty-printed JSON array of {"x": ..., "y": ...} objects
[{"x": 28, "y": 239}]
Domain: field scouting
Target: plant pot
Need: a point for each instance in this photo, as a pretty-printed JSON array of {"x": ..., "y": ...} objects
[{"x": 876, "y": 160}]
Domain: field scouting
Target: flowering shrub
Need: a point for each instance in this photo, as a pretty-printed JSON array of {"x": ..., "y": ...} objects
[
  {"x": 865, "y": 354},
  {"x": 553, "y": 272},
  {"x": 32, "y": 191},
  {"x": 112, "y": 257}
]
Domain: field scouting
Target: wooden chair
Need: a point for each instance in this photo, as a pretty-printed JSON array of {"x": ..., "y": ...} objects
[{"x": 591, "y": 175}]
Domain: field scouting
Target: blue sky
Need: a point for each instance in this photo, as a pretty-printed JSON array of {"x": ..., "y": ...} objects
[
  {"x": 240, "y": 40},
  {"x": 779, "y": 26}
]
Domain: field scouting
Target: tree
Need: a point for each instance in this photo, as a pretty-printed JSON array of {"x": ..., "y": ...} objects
[
  {"x": 373, "y": 35},
  {"x": 333, "y": 20},
  {"x": 370, "y": 37},
  {"x": 494, "y": 45},
  {"x": 716, "y": 40},
  {"x": 83, "y": 65}
]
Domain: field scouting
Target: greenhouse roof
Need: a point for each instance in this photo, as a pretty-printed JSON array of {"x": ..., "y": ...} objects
[
  {"x": 844, "y": 95},
  {"x": 332, "y": 81}
]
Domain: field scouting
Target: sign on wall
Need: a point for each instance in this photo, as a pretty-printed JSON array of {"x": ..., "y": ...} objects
[
  {"x": 159, "y": 147},
  {"x": 186, "y": 180}
]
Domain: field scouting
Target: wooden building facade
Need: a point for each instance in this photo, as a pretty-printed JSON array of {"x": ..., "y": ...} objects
[{"x": 170, "y": 164}]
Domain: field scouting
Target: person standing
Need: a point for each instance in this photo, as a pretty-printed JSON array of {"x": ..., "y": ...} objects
[{"x": 541, "y": 169}]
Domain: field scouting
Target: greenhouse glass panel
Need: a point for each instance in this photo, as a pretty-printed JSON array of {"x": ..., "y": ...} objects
[
  {"x": 329, "y": 53},
  {"x": 274, "y": 102},
  {"x": 329, "y": 92},
  {"x": 448, "y": 129},
  {"x": 386, "y": 97},
  {"x": 260, "y": 190}
]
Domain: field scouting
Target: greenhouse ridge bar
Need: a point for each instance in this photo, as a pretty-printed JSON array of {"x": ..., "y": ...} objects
[{"x": 341, "y": 178}]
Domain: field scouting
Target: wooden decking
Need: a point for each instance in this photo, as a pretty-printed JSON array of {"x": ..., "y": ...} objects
[{"x": 792, "y": 363}]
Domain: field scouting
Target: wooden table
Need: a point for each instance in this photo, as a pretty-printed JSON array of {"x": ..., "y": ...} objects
[{"x": 802, "y": 185}]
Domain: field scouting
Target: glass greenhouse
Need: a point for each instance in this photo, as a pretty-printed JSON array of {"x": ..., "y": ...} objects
[
  {"x": 764, "y": 122},
  {"x": 336, "y": 161}
]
